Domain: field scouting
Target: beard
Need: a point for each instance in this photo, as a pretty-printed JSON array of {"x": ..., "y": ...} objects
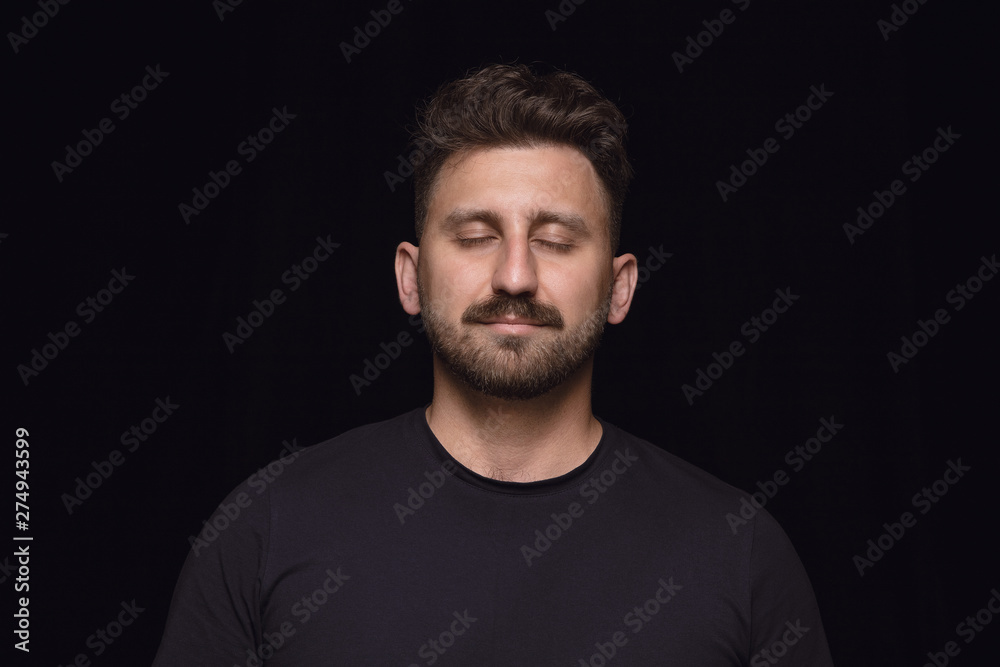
[{"x": 510, "y": 366}]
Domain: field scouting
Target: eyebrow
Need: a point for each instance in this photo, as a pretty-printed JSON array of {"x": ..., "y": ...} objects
[{"x": 573, "y": 222}]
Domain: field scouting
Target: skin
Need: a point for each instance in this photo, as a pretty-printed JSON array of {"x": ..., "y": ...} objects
[{"x": 487, "y": 233}]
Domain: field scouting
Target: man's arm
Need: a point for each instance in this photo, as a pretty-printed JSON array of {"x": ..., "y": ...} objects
[
  {"x": 214, "y": 616},
  {"x": 785, "y": 618}
]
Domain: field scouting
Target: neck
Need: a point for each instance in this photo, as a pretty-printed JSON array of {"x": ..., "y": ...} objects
[{"x": 517, "y": 441}]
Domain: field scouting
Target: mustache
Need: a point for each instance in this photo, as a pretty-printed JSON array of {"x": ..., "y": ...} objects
[{"x": 501, "y": 305}]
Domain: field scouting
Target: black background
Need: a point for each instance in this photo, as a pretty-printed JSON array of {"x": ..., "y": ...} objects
[{"x": 325, "y": 176}]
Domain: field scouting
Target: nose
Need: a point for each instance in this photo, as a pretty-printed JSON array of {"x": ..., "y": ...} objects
[{"x": 515, "y": 272}]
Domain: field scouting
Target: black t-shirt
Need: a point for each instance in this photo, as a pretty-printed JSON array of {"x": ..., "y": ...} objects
[{"x": 378, "y": 548}]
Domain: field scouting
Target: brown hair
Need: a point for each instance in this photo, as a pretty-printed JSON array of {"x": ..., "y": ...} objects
[{"x": 511, "y": 106}]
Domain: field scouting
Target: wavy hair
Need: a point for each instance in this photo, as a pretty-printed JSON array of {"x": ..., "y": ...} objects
[{"x": 502, "y": 106}]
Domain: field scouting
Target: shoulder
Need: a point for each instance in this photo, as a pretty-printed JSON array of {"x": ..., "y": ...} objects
[
  {"x": 371, "y": 438},
  {"x": 671, "y": 476},
  {"x": 345, "y": 460}
]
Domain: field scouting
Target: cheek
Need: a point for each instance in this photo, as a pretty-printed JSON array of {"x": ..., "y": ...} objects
[
  {"x": 451, "y": 288},
  {"x": 577, "y": 295}
]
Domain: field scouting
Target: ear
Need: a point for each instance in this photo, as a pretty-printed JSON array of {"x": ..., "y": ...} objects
[
  {"x": 406, "y": 277},
  {"x": 625, "y": 274}
]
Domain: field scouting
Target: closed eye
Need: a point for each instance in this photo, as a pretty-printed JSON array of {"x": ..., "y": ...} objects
[
  {"x": 474, "y": 241},
  {"x": 481, "y": 240}
]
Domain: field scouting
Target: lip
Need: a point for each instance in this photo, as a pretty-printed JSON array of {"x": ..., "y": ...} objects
[
  {"x": 512, "y": 325},
  {"x": 512, "y": 320}
]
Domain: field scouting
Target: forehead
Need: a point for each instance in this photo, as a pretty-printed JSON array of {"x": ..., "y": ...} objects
[{"x": 512, "y": 181}]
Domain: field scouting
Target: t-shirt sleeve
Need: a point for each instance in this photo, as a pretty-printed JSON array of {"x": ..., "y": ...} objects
[
  {"x": 214, "y": 616},
  {"x": 785, "y": 618}
]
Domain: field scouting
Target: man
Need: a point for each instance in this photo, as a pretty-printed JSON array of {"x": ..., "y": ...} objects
[{"x": 503, "y": 523}]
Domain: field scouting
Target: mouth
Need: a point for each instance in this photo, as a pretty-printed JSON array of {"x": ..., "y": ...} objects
[{"x": 512, "y": 325}]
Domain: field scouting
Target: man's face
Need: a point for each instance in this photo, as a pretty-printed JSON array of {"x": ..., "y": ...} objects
[{"x": 514, "y": 272}]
